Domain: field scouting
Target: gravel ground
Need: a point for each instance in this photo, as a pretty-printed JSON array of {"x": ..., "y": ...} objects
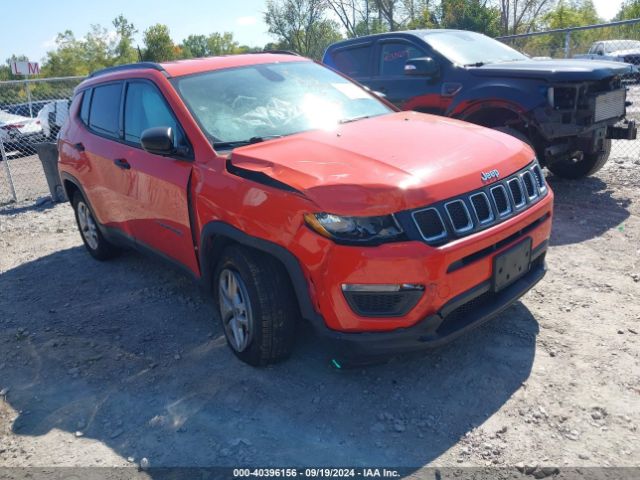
[
  {"x": 28, "y": 179},
  {"x": 103, "y": 364}
]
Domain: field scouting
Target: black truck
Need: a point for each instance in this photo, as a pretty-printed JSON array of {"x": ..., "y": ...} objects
[{"x": 567, "y": 110}]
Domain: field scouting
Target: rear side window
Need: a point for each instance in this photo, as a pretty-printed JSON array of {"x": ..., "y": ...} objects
[
  {"x": 84, "y": 107},
  {"x": 105, "y": 108},
  {"x": 354, "y": 62},
  {"x": 393, "y": 56},
  {"x": 144, "y": 108}
]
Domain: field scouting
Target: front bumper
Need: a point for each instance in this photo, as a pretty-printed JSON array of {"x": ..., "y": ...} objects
[
  {"x": 628, "y": 131},
  {"x": 463, "y": 313}
]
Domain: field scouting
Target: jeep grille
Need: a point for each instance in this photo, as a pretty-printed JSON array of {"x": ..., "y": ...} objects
[{"x": 463, "y": 215}]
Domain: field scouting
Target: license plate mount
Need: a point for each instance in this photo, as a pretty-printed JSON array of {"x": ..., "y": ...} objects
[{"x": 511, "y": 265}]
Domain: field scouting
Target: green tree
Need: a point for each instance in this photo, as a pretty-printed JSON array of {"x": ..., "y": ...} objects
[
  {"x": 195, "y": 46},
  {"x": 521, "y": 16},
  {"x": 68, "y": 58},
  {"x": 475, "y": 15},
  {"x": 567, "y": 13},
  {"x": 124, "y": 51},
  {"x": 158, "y": 44},
  {"x": 628, "y": 10},
  {"x": 222, "y": 44},
  {"x": 301, "y": 26}
]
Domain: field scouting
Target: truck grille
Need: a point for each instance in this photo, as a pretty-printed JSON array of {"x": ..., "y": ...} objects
[
  {"x": 480, "y": 209},
  {"x": 610, "y": 105}
]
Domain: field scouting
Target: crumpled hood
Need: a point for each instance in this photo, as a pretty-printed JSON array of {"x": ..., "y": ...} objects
[
  {"x": 385, "y": 164},
  {"x": 553, "y": 70}
]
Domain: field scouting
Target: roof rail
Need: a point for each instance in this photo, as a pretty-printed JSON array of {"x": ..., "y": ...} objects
[
  {"x": 282, "y": 52},
  {"x": 128, "y": 66}
]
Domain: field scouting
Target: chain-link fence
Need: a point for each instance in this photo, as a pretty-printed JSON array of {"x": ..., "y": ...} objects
[
  {"x": 31, "y": 112},
  {"x": 616, "y": 41}
]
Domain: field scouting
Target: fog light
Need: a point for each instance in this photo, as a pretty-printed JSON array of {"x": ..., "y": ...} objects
[{"x": 382, "y": 300}]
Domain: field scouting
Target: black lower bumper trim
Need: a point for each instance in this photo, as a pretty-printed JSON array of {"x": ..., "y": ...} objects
[
  {"x": 462, "y": 314},
  {"x": 627, "y": 132}
]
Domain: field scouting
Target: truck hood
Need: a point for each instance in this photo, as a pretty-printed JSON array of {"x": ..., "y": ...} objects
[
  {"x": 384, "y": 164},
  {"x": 553, "y": 70},
  {"x": 623, "y": 53}
]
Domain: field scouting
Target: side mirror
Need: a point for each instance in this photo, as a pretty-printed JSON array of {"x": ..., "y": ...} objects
[
  {"x": 158, "y": 140},
  {"x": 423, "y": 67}
]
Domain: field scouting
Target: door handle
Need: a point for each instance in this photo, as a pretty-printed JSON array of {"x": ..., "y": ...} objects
[
  {"x": 122, "y": 163},
  {"x": 79, "y": 147}
]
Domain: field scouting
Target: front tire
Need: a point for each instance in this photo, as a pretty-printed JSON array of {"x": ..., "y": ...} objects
[
  {"x": 590, "y": 163},
  {"x": 97, "y": 246},
  {"x": 257, "y": 305}
]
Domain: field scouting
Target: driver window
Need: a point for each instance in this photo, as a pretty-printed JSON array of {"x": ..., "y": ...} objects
[
  {"x": 145, "y": 108},
  {"x": 600, "y": 49},
  {"x": 393, "y": 56}
]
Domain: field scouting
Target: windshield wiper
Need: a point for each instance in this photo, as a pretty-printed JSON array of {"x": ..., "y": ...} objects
[
  {"x": 242, "y": 143},
  {"x": 354, "y": 119},
  {"x": 477, "y": 64}
]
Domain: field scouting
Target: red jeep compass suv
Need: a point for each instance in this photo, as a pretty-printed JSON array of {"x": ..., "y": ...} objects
[{"x": 291, "y": 192}]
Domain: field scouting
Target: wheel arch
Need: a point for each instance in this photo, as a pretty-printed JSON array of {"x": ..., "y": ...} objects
[
  {"x": 71, "y": 185},
  {"x": 216, "y": 235},
  {"x": 494, "y": 115}
]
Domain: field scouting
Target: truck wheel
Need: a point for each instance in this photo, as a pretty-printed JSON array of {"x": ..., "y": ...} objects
[
  {"x": 256, "y": 304},
  {"x": 588, "y": 165},
  {"x": 98, "y": 246}
]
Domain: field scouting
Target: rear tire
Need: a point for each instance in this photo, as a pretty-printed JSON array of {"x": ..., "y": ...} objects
[
  {"x": 588, "y": 165},
  {"x": 97, "y": 246},
  {"x": 257, "y": 305}
]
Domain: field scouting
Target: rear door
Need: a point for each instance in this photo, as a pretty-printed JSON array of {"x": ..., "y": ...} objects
[
  {"x": 105, "y": 182},
  {"x": 406, "y": 91},
  {"x": 158, "y": 185}
]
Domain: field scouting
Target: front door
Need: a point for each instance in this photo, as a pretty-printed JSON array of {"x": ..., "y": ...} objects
[
  {"x": 406, "y": 91},
  {"x": 158, "y": 185}
]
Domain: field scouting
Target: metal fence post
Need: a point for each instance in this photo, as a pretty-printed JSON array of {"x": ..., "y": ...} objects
[
  {"x": 5, "y": 162},
  {"x": 567, "y": 44}
]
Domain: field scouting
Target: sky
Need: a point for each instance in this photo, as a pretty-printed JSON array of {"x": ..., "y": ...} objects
[{"x": 30, "y": 28}]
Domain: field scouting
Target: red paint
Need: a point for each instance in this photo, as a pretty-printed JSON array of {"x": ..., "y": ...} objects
[{"x": 375, "y": 166}]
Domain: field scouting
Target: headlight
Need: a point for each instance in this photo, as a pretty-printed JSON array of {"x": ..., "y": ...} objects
[{"x": 355, "y": 230}]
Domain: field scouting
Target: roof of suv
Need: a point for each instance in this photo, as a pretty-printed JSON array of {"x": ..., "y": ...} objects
[{"x": 198, "y": 65}]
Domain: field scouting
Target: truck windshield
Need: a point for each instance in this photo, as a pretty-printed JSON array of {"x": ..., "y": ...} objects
[
  {"x": 468, "y": 48},
  {"x": 244, "y": 105}
]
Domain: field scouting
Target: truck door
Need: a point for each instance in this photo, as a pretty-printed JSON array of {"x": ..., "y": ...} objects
[{"x": 406, "y": 91}]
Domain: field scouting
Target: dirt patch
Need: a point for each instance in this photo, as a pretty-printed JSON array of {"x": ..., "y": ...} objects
[{"x": 106, "y": 363}]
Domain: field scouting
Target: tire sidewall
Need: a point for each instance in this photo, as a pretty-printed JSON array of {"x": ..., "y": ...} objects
[
  {"x": 104, "y": 249},
  {"x": 589, "y": 165},
  {"x": 236, "y": 260}
]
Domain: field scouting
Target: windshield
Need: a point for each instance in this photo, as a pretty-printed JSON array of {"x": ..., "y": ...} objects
[
  {"x": 468, "y": 48},
  {"x": 246, "y": 104},
  {"x": 616, "y": 45}
]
